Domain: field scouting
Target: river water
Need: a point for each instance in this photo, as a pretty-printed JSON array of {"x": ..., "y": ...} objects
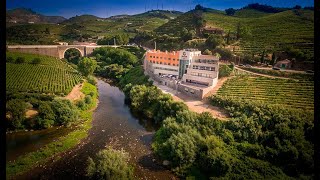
[{"x": 113, "y": 125}]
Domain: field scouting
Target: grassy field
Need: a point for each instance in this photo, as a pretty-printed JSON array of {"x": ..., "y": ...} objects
[
  {"x": 287, "y": 93},
  {"x": 50, "y": 76}
]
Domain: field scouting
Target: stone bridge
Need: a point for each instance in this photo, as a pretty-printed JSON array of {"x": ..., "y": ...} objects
[{"x": 53, "y": 50}]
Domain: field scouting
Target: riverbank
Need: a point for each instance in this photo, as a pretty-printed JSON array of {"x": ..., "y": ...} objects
[
  {"x": 52, "y": 150},
  {"x": 113, "y": 125}
]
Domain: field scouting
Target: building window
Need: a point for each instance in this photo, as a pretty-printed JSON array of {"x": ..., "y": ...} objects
[
  {"x": 213, "y": 69},
  {"x": 174, "y": 59},
  {"x": 168, "y": 63},
  {"x": 157, "y": 57},
  {"x": 154, "y": 57},
  {"x": 153, "y": 61},
  {"x": 208, "y": 68},
  {"x": 187, "y": 66},
  {"x": 202, "y": 67},
  {"x": 157, "y": 62},
  {"x": 169, "y": 58},
  {"x": 160, "y": 57},
  {"x": 150, "y": 56},
  {"x": 160, "y": 62},
  {"x": 172, "y": 64}
]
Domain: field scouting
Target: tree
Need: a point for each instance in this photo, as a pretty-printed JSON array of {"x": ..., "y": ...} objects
[
  {"x": 199, "y": 7},
  {"x": 15, "y": 109},
  {"x": 228, "y": 38},
  {"x": 187, "y": 35},
  {"x": 110, "y": 164},
  {"x": 225, "y": 53},
  {"x": 47, "y": 31},
  {"x": 213, "y": 41},
  {"x": 20, "y": 60},
  {"x": 36, "y": 61},
  {"x": 297, "y": 7},
  {"x": 217, "y": 55},
  {"x": 9, "y": 59},
  {"x": 262, "y": 56},
  {"x": 65, "y": 112},
  {"x": 207, "y": 52},
  {"x": 230, "y": 11},
  {"x": 87, "y": 66},
  {"x": 273, "y": 59}
]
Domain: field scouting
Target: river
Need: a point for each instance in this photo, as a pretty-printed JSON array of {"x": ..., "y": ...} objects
[{"x": 113, "y": 125}]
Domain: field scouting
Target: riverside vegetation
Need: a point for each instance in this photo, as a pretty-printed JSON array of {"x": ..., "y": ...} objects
[
  {"x": 260, "y": 141},
  {"x": 53, "y": 110}
]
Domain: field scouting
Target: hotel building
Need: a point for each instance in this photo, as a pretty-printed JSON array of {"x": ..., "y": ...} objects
[{"x": 195, "y": 74}]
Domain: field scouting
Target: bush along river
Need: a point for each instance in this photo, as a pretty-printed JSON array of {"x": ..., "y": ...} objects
[{"x": 113, "y": 125}]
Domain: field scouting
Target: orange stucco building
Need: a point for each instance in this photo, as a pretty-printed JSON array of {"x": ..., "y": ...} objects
[{"x": 165, "y": 58}]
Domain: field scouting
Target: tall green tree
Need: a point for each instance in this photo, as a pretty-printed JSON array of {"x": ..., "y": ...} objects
[
  {"x": 213, "y": 41},
  {"x": 87, "y": 66}
]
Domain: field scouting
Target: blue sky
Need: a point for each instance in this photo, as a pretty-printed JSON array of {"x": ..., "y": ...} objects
[{"x": 106, "y": 8}]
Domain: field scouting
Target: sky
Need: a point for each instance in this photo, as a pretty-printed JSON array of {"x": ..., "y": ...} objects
[{"x": 106, "y": 8}]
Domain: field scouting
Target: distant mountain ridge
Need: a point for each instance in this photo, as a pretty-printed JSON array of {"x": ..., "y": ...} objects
[{"x": 23, "y": 15}]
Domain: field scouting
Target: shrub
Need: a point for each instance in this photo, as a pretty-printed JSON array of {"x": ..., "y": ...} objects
[
  {"x": 91, "y": 94},
  {"x": 88, "y": 99},
  {"x": 91, "y": 80},
  {"x": 36, "y": 61},
  {"x": 81, "y": 104},
  {"x": 110, "y": 164},
  {"x": 20, "y": 60},
  {"x": 43, "y": 123},
  {"x": 45, "y": 111},
  {"x": 224, "y": 71},
  {"x": 15, "y": 109},
  {"x": 66, "y": 113},
  {"x": 10, "y": 59}
]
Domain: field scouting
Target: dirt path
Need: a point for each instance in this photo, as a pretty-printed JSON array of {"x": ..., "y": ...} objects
[
  {"x": 31, "y": 113},
  {"x": 194, "y": 104},
  {"x": 76, "y": 93}
]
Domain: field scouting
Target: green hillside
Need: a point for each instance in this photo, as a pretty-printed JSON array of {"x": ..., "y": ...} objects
[
  {"x": 288, "y": 28},
  {"x": 88, "y": 28},
  {"x": 50, "y": 76},
  {"x": 250, "y": 13},
  {"x": 264, "y": 30}
]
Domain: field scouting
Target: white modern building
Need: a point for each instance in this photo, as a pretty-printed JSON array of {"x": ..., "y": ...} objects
[{"x": 193, "y": 74}]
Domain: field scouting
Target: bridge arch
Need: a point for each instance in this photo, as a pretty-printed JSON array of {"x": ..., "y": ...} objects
[{"x": 62, "y": 50}]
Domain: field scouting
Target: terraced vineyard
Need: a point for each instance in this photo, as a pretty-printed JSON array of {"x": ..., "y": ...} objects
[
  {"x": 288, "y": 93},
  {"x": 288, "y": 28},
  {"x": 51, "y": 76}
]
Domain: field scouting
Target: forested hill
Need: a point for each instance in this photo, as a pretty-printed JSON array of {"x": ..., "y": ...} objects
[{"x": 22, "y": 15}]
